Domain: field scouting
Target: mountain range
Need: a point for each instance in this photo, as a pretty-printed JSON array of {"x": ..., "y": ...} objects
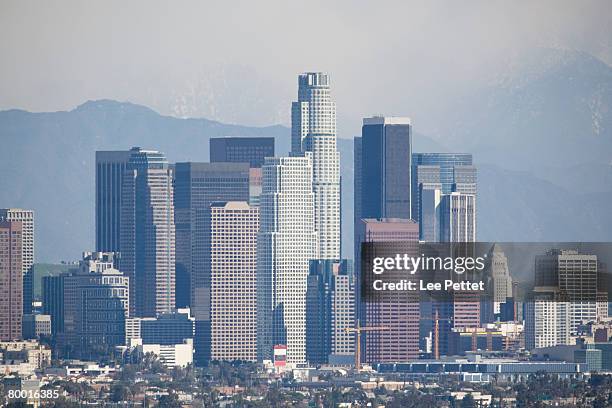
[{"x": 541, "y": 137}]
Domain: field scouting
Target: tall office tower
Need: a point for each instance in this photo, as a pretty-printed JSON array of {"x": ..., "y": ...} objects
[
  {"x": 286, "y": 244},
  {"x": 330, "y": 310},
  {"x": 147, "y": 233},
  {"x": 11, "y": 280},
  {"x": 547, "y": 318},
  {"x": 313, "y": 129},
  {"x": 26, "y": 217},
  {"x": 399, "y": 311},
  {"x": 110, "y": 167},
  {"x": 450, "y": 172},
  {"x": 465, "y": 180},
  {"x": 96, "y": 300},
  {"x": 446, "y": 162},
  {"x": 252, "y": 150},
  {"x": 196, "y": 186},
  {"x": 575, "y": 275},
  {"x": 458, "y": 218},
  {"x": 233, "y": 310},
  {"x": 356, "y": 191},
  {"x": 53, "y": 302},
  {"x": 500, "y": 274}
]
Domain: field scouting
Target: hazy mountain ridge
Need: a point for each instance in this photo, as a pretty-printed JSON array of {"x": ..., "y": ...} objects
[
  {"x": 549, "y": 113},
  {"x": 47, "y": 159}
]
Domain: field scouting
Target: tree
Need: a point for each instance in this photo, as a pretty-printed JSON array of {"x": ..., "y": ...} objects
[
  {"x": 468, "y": 401},
  {"x": 169, "y": 401},
  {"x": 120, "y": 393}
]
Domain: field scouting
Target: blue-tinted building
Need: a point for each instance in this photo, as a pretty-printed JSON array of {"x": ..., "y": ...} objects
[
  {"x": 252, "y": 150},
  {"x": 169, "y": 328},
  {"x": 330, "y": 310}
]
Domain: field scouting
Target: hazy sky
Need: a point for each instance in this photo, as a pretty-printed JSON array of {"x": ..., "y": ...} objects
[{"x": 237, "y": 61}]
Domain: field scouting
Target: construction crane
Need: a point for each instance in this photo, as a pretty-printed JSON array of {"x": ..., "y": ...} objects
[
  {"x": 358, "y": 330},
  {"x": 436, "y": 334}
]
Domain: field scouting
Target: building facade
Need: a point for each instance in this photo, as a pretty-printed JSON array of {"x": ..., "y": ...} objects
[
  {"x": 313, "y": 130},
  {"x": 330, "y": 310},
  {"x": 234, "y": 230},
  {"x": 252, "y": 150},
  {"x": 11, "y": 280},
  {"x": 397, "y": 312},
  {"x": 197, "y": 186},
  {"x": 110, "y": 167},
  {"x": 458, "y": 217},
  {"x": 53, "y": 302},
  {"x": 26, "y": 217},
  {"x": 574, "y": 274},
  {"x": 147, "y": 235},
  {"x": 96, "y": 300},
  {"x": 286, "y": 244}
]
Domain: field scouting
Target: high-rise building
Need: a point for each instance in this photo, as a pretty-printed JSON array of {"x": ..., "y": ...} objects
[
  {"x": 399, "y": 311},
  {"x": 252, "y": 150},
  {"x": 196, "y": 187},
  {"x": 11, "y": 280},
  {"x": 233, "y": 313},
  {"x": 110, "y": 167},
  {"x": 500, "y": 274},
  {"x": 446, "y": 163},
  {"x": 330, "y": 310},
  {"x": 147, "y": 235},
  {"x": 575, "y": 275},
  {"x": 547, "y": 318},
  {"x": 287, "y": 242},
  {"x": 96, "y": 299},
  {"x": 386, "y": 152},
  {"x": 449, "y": 172},
  {"x": 53, "y": 301},
  {"x": 313, "y": 129},
  {"x": 458, "y": 218},
  {"x": 26, "y": 217}
]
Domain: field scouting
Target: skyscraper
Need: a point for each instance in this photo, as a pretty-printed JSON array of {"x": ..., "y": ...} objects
[
  {"x": 502, "y": 281},
  {"x": 330, "y": 310},
  {"x": 53, "y": 301},
  {"x": 382, "y": 171},
  {"x": 147, "y": 235},
  {"x": 398, "y": 311},
  {"x": 96, "y": 299},
  {"x": 252, "y": 150},
  {"x": 458, "y": 218},
  {"x": 449, "y": 172},
  {"x": 234, "y": 228},
  {"x": 287, "y": 242},
  {"x": 11, "y": 280},
  {"x": 547, "y": 318},
  {"x": 110, "y": 167},
  {"x": 313, "y": 129},
  {"x": 575, "y": 275},
  {"x": 196, "y": 186},
  {"x": 26, "y": 217}
]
